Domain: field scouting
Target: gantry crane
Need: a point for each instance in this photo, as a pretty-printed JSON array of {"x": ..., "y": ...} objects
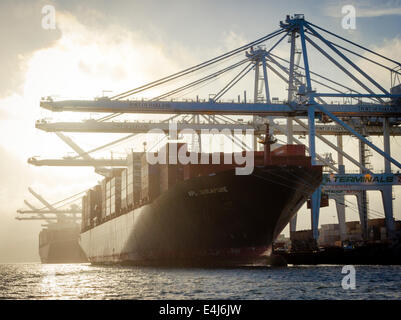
[
  {"x": 50, "y": 213},
  {"x": 366, "y": 108}
]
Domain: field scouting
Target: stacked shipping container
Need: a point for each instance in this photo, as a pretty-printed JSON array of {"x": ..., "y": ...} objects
[
  {"x": 115, "y": 195},
  {"x": 171, "y": 174},
  {"x": 142, "y": 182},
  {"x": 108, "y": 198},
  {"x": 291, "y": 155},
  {"x": 133, "y": 184},
  {"x": 124, "y": 190},
  {"x": 150, "y": 180},
  {"x": 91, "y": 207},
  {"x": 353, "y": 231},
  {"x": 289, "y": 150},
  {"x": 96, "y": 207},
  {"x": 85, "y": 215},
  {"x": 103, "y": 186},
  {"x": 302, "y": 241},
  {"x": 329, "y": 234}
]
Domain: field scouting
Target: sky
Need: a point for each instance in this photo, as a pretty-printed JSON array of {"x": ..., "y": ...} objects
[{"x": 118, "y": 45}]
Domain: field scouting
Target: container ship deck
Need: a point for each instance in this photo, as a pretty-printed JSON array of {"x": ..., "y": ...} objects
[{"x": 198, "y": 215}]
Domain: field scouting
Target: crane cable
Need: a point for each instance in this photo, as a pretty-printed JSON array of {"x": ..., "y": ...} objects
[
  {"x": 197, "y": 67},
  {"x": 189, "y": 85}
]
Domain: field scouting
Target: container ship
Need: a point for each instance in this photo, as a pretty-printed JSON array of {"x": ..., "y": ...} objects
[
  {"x": 58, "y": 243},
  {"x": 195, "y": 214}
]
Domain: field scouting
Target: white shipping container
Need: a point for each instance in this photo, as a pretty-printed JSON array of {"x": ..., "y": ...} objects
[
  {"x": 112, "y": 204},
  {"x": 124, "y": 179},
  {"x": 108, "y": 204},
  {"x": 108, "y": 190}
]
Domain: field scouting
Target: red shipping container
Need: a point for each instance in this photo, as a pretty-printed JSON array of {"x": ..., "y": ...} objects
[
  {"x": 324, "y": 201},
  {"x": 300, "y": 161},
  {"x": 290, "y": 150},
  {"x": 170, "y": 174}
]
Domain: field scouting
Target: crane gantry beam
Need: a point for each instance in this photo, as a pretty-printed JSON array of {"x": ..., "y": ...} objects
[
  {"x": 47, "y": 218},
  {"x": 73, "y": 146},
  {"x": 78, "y": 162},
  {"x": 41, "y": 199},
  {"x": 56, "y": 212},
  {"x": 38, "y": 211},
  {"x": 59, "y": 218},
  {"x": 33, "y": 208},
  {"x": 80, "y": 153},
  {"x": 181, "y": 107},
  {"x": 60, "y": 215},
  {"x": 144, "y": 127}
]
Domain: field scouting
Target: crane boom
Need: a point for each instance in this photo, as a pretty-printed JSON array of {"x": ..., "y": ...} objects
[
  {"x": 41, "y": 199},
  {"x": 179, "y": 107},
  {"x": 79, "y": 162},
  {"x": 50, "y": 211},
  {"x": 144, "y": 127}
]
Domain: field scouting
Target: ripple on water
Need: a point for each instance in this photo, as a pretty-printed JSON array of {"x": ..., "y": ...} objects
[{"x": 83, "y": 281}]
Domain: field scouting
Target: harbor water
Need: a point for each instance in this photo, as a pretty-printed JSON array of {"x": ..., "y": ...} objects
[{"x": 85, "y": 281}]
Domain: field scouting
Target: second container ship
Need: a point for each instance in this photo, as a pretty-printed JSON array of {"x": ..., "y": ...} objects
[
  {"x": 58, "y": 243},
  {"x": 195, "y": 214}
]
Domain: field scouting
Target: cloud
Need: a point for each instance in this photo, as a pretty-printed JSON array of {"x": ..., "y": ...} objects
[
  {"x": 375, "y": 12},
  {"x": 365, "y": 9},
  {"x": 233, "y": 40},
  {"x": 21, "y": 34},
  {"x": 390, "y": 49},
  {"x": 89, "y": 58}
]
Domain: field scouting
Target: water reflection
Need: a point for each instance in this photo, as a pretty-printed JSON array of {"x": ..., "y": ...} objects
[
  {"x": 66, "y": 281},
  {"x": 84, "y": 281}
]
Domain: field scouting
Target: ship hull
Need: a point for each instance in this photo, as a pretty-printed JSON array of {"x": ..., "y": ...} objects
[
  {"x": 59, "y": 244},
  {"x": 68, "y": 251},
  {"x": 223, "y": 219}
]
